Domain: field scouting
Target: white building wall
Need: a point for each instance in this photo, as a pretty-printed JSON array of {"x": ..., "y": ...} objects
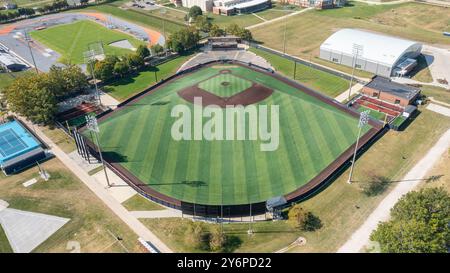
[{"x": 205, "y": 5}]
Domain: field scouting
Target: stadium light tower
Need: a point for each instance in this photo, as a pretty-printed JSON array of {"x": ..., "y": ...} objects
[
  {"x": 357, "y": 51},
  {"x": 92, "y": 125},
  {"x": 89, "y": 58},
  {"x": 28, "y": 39},
  {"x": 363, "y": 120}
]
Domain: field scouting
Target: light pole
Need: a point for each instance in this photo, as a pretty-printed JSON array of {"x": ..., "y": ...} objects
[
  {"x": 92, "y": 125},
  {"x": 89, "y": 57},
  {"x": 363, "y": 120},
  {"x": 356, "y": 51},
  {"x": 28, "y": 39}
]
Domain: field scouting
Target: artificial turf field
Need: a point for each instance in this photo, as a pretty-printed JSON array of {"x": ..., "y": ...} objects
[
  {"x": 312, "y": 135},
  {"x": 71, "y": 40}
]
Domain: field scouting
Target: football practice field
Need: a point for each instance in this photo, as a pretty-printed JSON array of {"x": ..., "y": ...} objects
[
  {"x": 71, "y": 40},
  {"x": 312, "y": 134}
]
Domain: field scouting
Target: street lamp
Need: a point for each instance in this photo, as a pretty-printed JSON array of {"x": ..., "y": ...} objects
[
  {"x": 92, "y": 125},
  {"x": 357, "y": 51},
  {"x": 363, "y": 120}
]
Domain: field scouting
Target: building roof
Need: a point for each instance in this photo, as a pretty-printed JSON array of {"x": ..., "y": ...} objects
[
  {"x": 397, "y": 89},
  {"x": 376, "y": 47}
]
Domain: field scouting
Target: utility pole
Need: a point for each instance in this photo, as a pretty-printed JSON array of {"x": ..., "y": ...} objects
[
  {"x": 28, "y": 39},
  {"x": 357, "y": 51},
  {"x": 363, "y": 120}
]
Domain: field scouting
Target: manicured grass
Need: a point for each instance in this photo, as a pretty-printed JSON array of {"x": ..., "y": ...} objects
[
  {"x": 344, "y": 207},
  {"x": 225, "y": 85},
  {"x": 306, "y": 31},
  {"x": 64, "y": 195},
  {"x": 398, "y": 121},
  {"x": 318, "y": 80},
  {"x": 373, "y": 113},
  {"x": 267, "y": 237},
  {"x": 4, "y": 244},
  {"x": 72, "y": 40},
  {"x": 131, "y": 85},
  {"x": 312, "y": 135},
  {"x": 436, "y": 93},
  {"x": 137, "y": 202}
]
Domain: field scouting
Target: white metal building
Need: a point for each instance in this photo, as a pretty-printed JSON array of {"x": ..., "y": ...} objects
[
  {"x": 379, "y": 54},
  {"x": 205, "y": 5}
]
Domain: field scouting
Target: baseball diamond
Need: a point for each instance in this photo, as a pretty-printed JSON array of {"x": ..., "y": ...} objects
[{"x": 316, "y": 137}]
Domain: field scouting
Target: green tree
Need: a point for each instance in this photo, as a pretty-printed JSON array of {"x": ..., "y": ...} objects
[
  {"x": 217, "y": 239},
  {"x": 297, "y": 216},
  {"x": 66, "y": 81},
  {"x": 134, "y": 60},
  {"x": 156, "y": 49},
  {"x": 194, "y": 235},
  {"x": 195, "y": 11},
  {"x": 183, "y": 39},
  {"x": 143, "y": 51},
  {"x": 419, "y": 224},
  {"x": 30, "y": 97},
  {"x": 202, "y": 23},
  {"x": 216, "y": 31},
  {"x": 240, "y": 32},
  {"x": 121, "y": 68}
]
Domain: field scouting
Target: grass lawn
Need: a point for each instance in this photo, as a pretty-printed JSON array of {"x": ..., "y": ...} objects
[
  {"x": 64, "y": 195},
  {"x": 4, "y": 244},
  {"x": 441, "y": 171},
  {"x": 321, "y": 81},
  {"x": 59, "y": 138},
  {"x": 421, "y": 72},
  {"x": 71, "y": 40},
  {"x": 436, "y": 93},
  {"x": 267, "y": 237},
  {"x": 373, "y": 113},
  {"x": 312, "y": 135},
  {"x": 137, "y": 202},
  {"x": 7, "y": 78},
  {"x": 336, "y": 204},
  {"x": 306, "y": 31},
  {"x": 129, "y": 86}
]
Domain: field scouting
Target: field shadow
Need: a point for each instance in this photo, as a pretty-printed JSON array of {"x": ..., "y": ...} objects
[
  {"x": 192, "y": 183},
  {"x": 423, "y": 62},
  {"x": 114, "y": 157}
]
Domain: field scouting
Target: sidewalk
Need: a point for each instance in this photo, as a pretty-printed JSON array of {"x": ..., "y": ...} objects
[
  {"x": 360, "y": 238},
  {"x": 344, "y": 95},
  {"x": 278, "y": 19},
  {"x": 103, "y": 194}
]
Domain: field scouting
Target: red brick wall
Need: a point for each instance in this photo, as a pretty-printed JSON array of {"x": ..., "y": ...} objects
[{"x": 385, "y": 96}]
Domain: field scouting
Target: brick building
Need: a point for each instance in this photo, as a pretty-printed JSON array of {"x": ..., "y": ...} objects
[{"x": 384, "y": 89}]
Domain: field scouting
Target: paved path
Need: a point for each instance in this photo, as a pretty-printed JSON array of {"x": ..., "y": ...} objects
[
  {"x": 439, "y": 109},
  {"x": 278, "y": 19},
  {"x": 360, "y": 238},
  {"x": 259, "y": 17},
  {"x": 439, "y": 102},
  {"x": 103, "y": 194},
  {"x": 164, "y": 213},
  {"x": 344, "y": 95}
]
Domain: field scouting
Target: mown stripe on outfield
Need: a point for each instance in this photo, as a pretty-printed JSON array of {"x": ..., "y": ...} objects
[
  {"x": 239, "y": 169},
  {"x": 215, "y": 176},
  {"x": 228, "y": 176},
  {"x": 253, "y": 192},
  {"x": 328, "y": 133},
  {"x": 204, "y": 170},
  {"x": 181, "y": 186}
]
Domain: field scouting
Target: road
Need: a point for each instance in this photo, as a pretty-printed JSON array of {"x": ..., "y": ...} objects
[
  {"x": 360, "y": 237},
  {"x": 134, "y": 224}
]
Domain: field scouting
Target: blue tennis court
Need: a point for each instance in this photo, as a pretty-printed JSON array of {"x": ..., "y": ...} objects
[{"x": 15, "y": 141}]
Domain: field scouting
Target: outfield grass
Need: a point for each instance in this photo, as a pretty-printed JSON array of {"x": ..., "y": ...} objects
[
  {"x": 225, "y": 85},
  {"x": 312, "y": 135},
  {"x": 318, "y": 80},
  {"x": 131, "y": 85},
  {"x": 64, "y": 195},
  {"x": 139, "y": 203},
  {"x": 306, "y": 31},
  {"x": 72, "y": 40}
]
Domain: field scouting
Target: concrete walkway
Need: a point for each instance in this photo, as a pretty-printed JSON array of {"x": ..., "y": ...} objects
[
  {"x": 278, "y": 19},
  {"x": 134, "y": 224},
  {"x": 360, "y": 238},
  {"x": 344, "y": 95},
  {"x": 150, "y": 214},
  {"x": 439, "y": 109}
]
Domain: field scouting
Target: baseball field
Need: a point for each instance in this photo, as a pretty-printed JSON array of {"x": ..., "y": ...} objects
[
  {"x": 71, "y": 40},
  {"x": 312, "y": 135}
]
